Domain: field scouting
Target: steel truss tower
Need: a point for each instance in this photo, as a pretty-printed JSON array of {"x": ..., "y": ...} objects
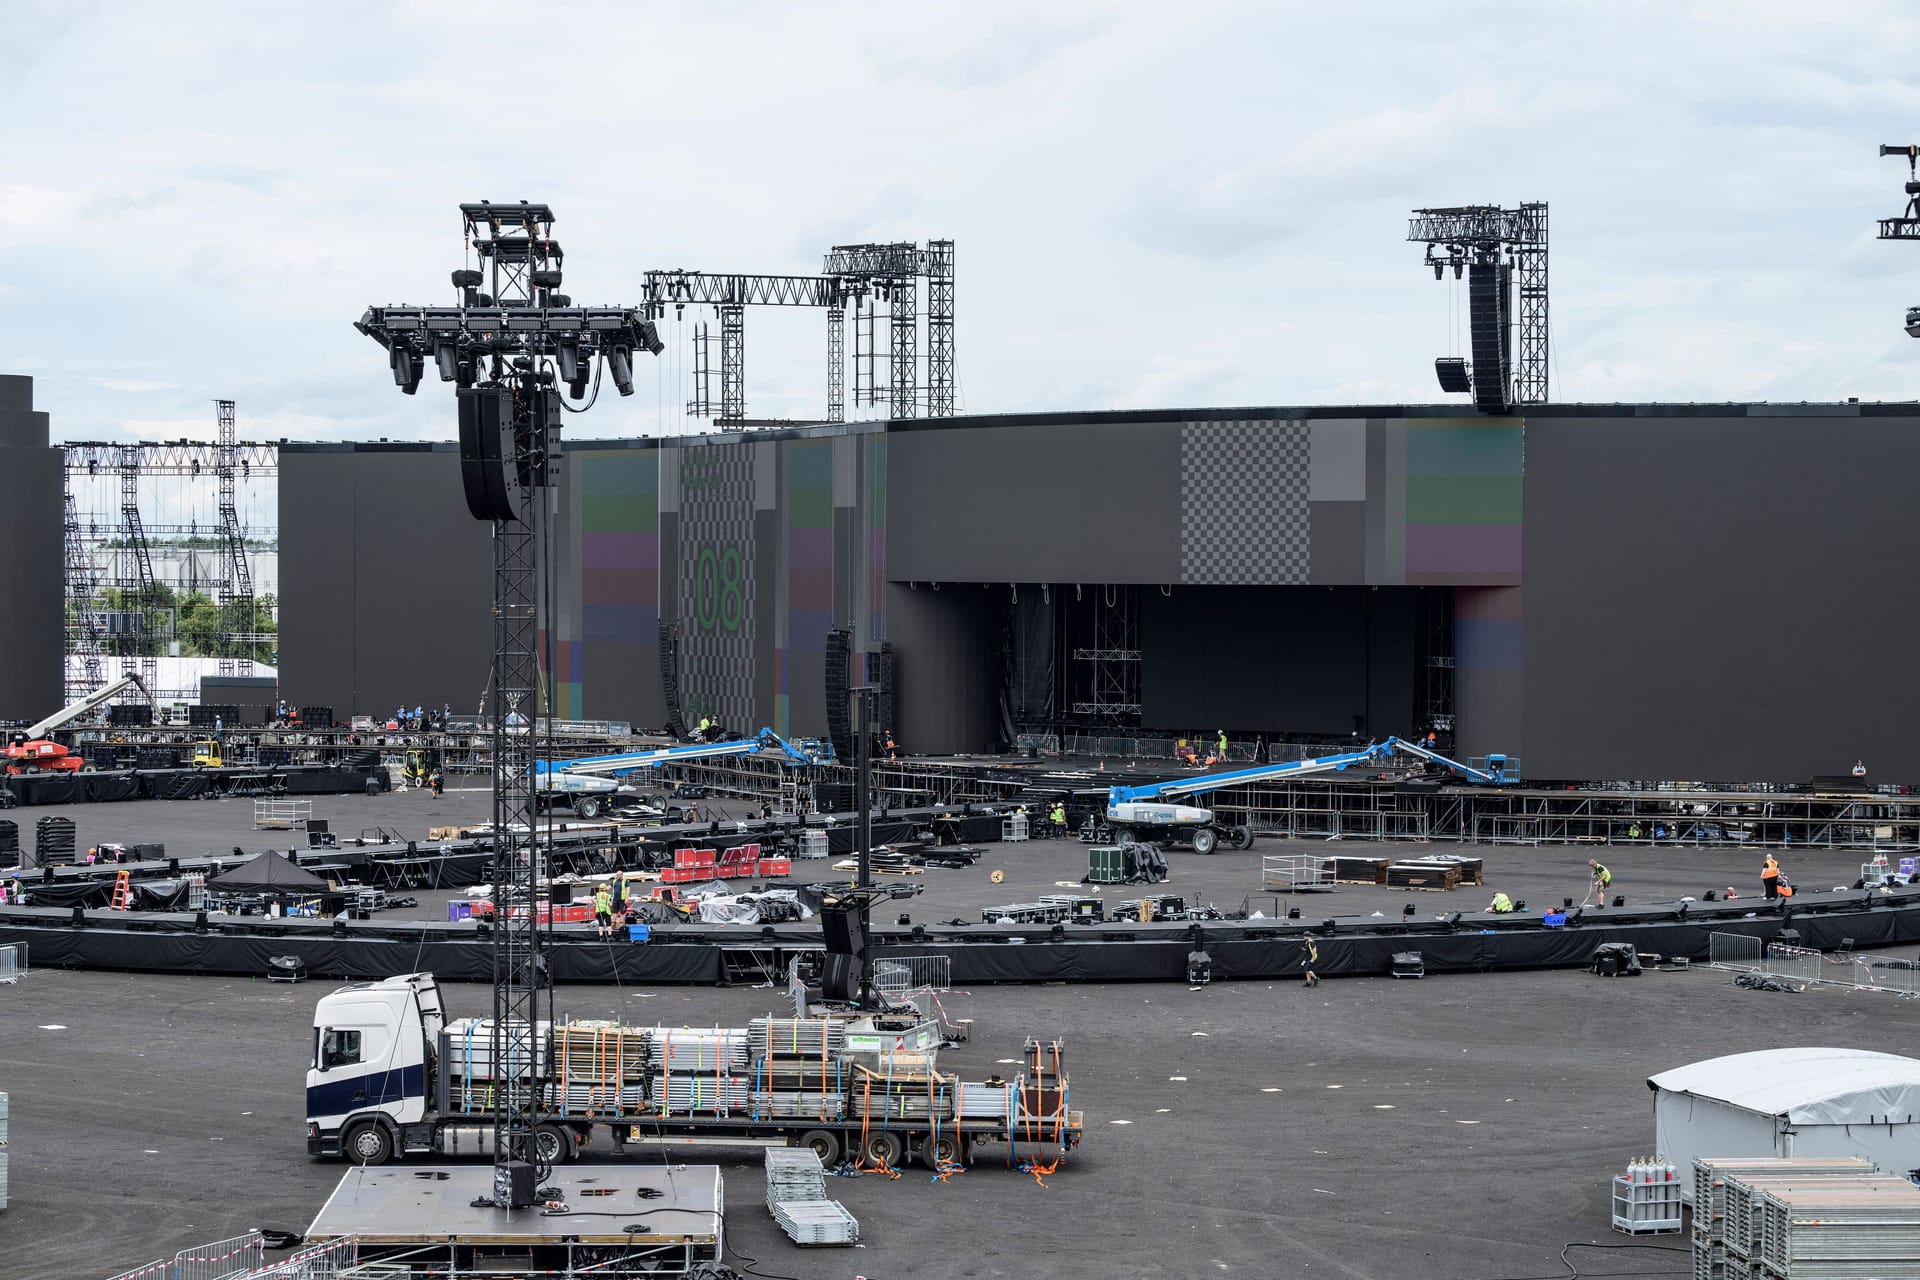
[
  {"x": 854, "y": 275},
  {"x": 940, "y": 362},
  {"x": 133, "y": 575},
  {"x": 83, "y": 619},
  {"x": 1498, "y": 247},
  {"x": 237, "y": 625},
  {"x": 518, "y": 343}
]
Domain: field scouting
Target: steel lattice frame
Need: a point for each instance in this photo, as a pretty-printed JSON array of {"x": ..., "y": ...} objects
[
  {"x": 733, "y": 373},
  {"x": 237, "y": 624},
  {"x": 903, "y": 327},
  {"x": 940, "y": 361},
  {"x": 517, "y": 977},
  {"x": 83, "y": 620},
  {"x": 836, "y": 364},
  {"x": 1478, "y": 235}
]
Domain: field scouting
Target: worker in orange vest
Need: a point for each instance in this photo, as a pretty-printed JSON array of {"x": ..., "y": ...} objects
[{"x": 1770, "y": 877}]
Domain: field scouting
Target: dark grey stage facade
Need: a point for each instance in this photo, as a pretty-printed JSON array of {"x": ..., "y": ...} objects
[
  {"x": 1656, "y": 592},
  {"x": 33, "y": 582}
]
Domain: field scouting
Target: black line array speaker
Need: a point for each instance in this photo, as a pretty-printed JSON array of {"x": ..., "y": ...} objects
[
  {"x": 1488, "y": 292},
  {"x": 670, "y": 677},
  {"x": 880, "y": 676},
  {"x": 839, "y": 683},
  {"x": 486, "y": 450},
  {"x": 845, "y": 932}
]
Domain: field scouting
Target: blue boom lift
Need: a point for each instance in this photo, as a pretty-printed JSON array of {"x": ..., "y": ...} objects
[{"x": 1151, "y": 814}]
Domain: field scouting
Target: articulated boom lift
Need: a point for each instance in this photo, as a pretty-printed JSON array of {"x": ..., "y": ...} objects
[{"x": 1148, "y": 813}]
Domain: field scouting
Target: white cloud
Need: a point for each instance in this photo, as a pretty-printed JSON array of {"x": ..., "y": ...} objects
[
  {"x": 135, "y": 384},
  {"x": 1195, "y": 204}
]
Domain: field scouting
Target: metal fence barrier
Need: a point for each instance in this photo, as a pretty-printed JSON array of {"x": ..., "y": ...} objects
[
  {"x": 244, "y": 1258},
  {"x": 322, "y": 1262},
  {"x": 13, "y": 962},
  {"x": 1795, "y": 964},
  {"x": 1734, "y": 951},
  {"x": 903, "y": 976}
]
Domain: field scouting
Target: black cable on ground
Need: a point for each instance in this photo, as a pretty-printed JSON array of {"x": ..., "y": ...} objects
[{"x": 1574, "y": 1273}]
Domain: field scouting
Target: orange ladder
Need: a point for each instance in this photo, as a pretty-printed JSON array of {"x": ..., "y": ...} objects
[{"x": 122, "y": 891}]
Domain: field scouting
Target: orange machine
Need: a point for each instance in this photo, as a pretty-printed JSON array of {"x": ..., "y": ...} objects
[{"x": 42, "y": 756}]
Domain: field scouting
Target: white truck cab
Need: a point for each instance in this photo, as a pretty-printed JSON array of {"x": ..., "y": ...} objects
[{"x": 372, "y": 1043}]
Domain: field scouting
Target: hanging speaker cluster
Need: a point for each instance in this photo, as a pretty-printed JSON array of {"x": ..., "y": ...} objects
[
  {"x": 670, "y": 677},
  {"x": 839, "y": 682},
  {"x": 486, "y": 453},
  {"x": 1490, "y": 322},
  {"x": 880, "y": 676}
]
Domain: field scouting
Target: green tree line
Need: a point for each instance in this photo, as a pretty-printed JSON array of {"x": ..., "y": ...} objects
[{"x": 191, "y": 617}]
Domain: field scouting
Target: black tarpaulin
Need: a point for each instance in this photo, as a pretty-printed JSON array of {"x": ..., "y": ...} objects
[{"x": 270, "y": 872}]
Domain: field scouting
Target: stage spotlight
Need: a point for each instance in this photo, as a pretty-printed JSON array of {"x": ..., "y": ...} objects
[
  {"x": 1709, "y": 896},
  {"x": 1406, "y": 912},
  {"x": 467, "y": 278},
  {"x": 1453, "y": 920},
  {"x": 407, "y": 365},
  {"x": 1681, "y": 914},
  {"x": 1579, "y": 913},
  {"x": 1913, "y": 322},
  {"x": 1519, "y": 904},
  {"x": 1619, "y": 899},
  {"x": 1327, "y": 927},
  {"x": 1453, "y": 375},
  {"x": 546, "y": 279},
  {"x": 447, "y": 357},
  {"x": 620, "y": 365},
  {"x": 1293, "y": 913},
  {"x": 650, "y": 338},
  {"x": 905, "y": 919},
  {"x": 1566, "y": 904},
  {"x": 568, "y": 354}
]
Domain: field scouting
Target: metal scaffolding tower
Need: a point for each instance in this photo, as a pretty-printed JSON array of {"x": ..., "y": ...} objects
[
  {"x": 84, "y": 633},
  {"x": 237, "y": 626},
  {"x": 1103, "y": 623},
  {"x": 510, "y": 372},
  {"x": 1498, "y": 247},
  {"x": 133, "y": 575},
  {"x": 855, "y": 275},
  {"x": 940, "y": 360}
]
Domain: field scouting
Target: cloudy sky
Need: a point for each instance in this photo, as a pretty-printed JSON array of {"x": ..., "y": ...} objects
[{"x": 1154, "y": 204}]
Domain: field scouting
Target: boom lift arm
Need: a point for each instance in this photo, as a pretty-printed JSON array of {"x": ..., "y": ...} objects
[
  {"x": 99, "y": 697},
  {"x": 632, "y": 761},
  {"x": 1495, "y": 774}
]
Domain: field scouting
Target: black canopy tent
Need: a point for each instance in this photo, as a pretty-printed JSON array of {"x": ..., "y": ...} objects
[{"x": 274, "y": 877}]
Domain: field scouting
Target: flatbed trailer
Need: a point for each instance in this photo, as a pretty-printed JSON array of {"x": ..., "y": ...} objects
[{"x": 392, "y": 1078}]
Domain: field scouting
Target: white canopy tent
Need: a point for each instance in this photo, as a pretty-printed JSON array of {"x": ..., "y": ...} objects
[{"x": 1790, "y": 1102}]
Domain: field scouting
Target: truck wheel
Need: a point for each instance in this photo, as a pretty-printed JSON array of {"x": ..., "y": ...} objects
[
  {"x": 367, "y": 1143},
  {"x": 1205, "y": 839},
  {"x": 943, "y": 1150},
  {"x": 824, "y": 1143},
  {"x": 1243, "y": 837},
  {"x": 552, "y": 1145},
  {"x": 883, "y": 1149},
  {"x": 588, "y": 809}
]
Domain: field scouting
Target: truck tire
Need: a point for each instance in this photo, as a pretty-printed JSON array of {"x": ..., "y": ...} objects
[
  {"x": 1205, "y": 840},
  {"x": 587, "y": 807},
  {"x": 1242, "y": 838},
  {"x": 824, "y": 1143},
  {"x": 552, "y": 1145},
  {"x": 367, "y": 1143},
  {"x": 943, "y": 1150},
  {"x": 882, "y": 1149}
]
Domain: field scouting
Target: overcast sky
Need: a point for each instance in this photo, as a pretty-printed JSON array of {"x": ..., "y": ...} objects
[{"x": 1154, "y": 204}]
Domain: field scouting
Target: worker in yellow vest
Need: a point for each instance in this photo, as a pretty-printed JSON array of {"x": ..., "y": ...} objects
[{"x": 603, "y": 911}]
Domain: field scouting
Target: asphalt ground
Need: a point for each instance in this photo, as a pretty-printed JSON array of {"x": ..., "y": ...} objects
[
  {"x": 1461, "y": 1127},
  {"x": 1229, "y": 880},
  {"x": 1454, "y": 1128}
]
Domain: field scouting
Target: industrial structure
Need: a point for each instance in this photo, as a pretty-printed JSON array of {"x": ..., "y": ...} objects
[
  {"x": 1496, "y": 249},
  {"x": 856, "y": 276},
  {"x": 116, "y": 611}
]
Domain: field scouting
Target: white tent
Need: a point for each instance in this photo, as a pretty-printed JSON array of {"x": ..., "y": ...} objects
[{"x": 1790, "y": 1102}]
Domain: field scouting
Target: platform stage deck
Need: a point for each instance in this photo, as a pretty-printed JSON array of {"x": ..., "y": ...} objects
[{"x": 664, "y": 1212}]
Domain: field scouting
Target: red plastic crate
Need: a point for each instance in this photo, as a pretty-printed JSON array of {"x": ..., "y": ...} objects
[
  {"x": 702, "y": 873},
  {"x": 676, "y": 875},
  {"x": 694, "y": 857},
  {"x": 775, "y": 867}
]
